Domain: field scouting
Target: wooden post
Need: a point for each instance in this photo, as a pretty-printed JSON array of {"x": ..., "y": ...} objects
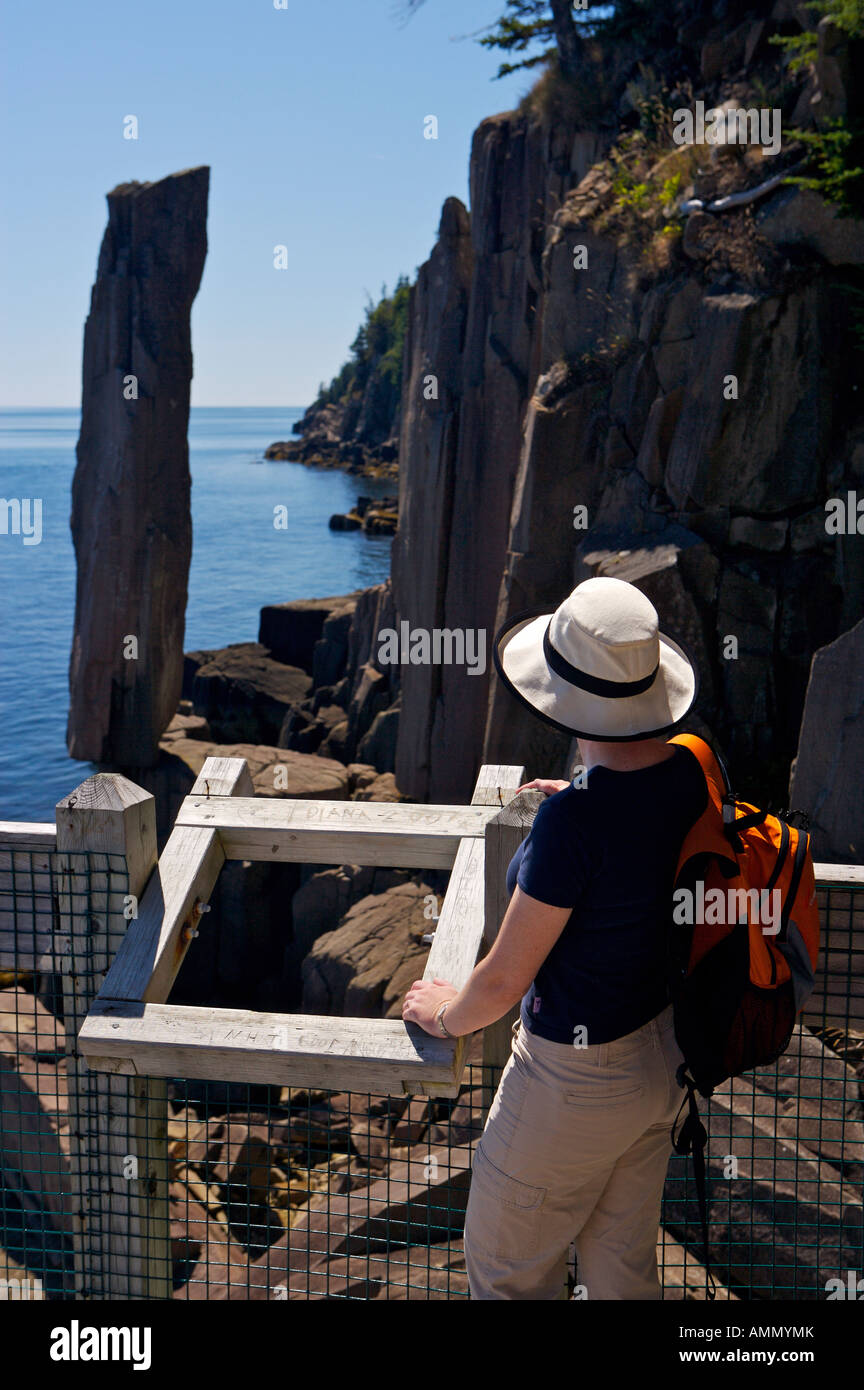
[
  {"x": 504, "y": 834},
  {"x": 106, "y": 852}
]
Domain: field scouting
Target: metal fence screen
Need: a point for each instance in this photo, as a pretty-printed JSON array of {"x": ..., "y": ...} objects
[{"x": 278, "y": 1193}]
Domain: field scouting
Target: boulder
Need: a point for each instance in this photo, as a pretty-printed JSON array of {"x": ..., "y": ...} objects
[
  {"x": 330, "y": 652},
  {"x": 364, "y": 967},
  {"x": 361, "y": 775},
  {"x": 290, "y": 630},
  {"x": 749, "y": 531},
  {"x": 274, "y": 771},
  {"x": 799, "y": 217},
  {"x": 187, "y": 726},
  {"x": 826, "y": 774},
  {"x": 378, "y": 744},
  {"x": 338, "y": 743},
  {"x": 245, "y": 694},
  {"x": 383, "y": 788},
  {"x": 380, "y": 521},
  {"x": 345, "y": 521},
  {"x": 131, "y": 520},
  {"x": 322, "y": 902},
  {"x": 304, "y": 732},
  {"x": 370, "y": 696}
]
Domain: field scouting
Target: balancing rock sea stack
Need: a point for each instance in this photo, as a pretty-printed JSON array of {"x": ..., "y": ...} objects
[{"x": 131, "y": 520}]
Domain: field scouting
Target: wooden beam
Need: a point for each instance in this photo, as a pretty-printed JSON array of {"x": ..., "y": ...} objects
[
  {"x": 146, "y": 965},
  {"x": 390, "y": 834},
  {"x": 830, "y": 874},
  {"x": 22, "y": 834},
  {"x": 106, "y": 850},
  {"x": 504, "y": 834},
  {"x": 379, "y": 1055},
  {"x": 459, "y": 934}
]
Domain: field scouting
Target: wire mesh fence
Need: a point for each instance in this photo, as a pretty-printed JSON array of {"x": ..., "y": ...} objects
[{"x": 115, "y": 1186}]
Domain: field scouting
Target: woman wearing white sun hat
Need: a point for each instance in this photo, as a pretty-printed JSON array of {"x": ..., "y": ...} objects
[{"x": 577, "y": 1139}]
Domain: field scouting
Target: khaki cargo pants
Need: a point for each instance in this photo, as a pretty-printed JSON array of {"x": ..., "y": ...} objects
[{"x": 575, "y": 1149}]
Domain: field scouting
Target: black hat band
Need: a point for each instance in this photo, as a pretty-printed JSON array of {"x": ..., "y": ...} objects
[{"x": 611, "y": 690}]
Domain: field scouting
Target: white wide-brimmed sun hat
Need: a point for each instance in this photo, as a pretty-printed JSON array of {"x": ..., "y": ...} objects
[{"x": 598, "y": 667}]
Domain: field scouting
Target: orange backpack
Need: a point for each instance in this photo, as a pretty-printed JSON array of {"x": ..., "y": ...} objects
[
  {"x": 744, "y": 963},
  {"x": 743, "y": 945}
]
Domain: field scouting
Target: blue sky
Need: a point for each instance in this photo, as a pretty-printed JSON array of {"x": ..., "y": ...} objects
[{"x": 311, "y": 119}]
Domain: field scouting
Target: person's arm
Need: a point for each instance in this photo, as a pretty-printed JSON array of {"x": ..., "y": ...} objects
[
  {"x": 526, "y": 936},
  {"x": 547, "y": 785}
]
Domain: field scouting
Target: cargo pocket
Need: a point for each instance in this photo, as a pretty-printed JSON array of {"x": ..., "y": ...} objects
[
  {"x": 605, "y": 1094},
  {"x": 503, "y": 1213}
]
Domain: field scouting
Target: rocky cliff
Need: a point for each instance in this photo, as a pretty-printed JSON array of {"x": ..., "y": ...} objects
[
  {"x": 606, "y": 332},
  {"x": 131, "y": 522},
  {"x": 354, "y": 423}
]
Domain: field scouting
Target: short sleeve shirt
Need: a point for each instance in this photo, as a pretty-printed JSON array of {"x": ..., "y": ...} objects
[{"x": 608, "y": 850}]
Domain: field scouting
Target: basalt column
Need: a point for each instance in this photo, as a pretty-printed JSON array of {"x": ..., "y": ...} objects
[{"x": 131, "y": 521}]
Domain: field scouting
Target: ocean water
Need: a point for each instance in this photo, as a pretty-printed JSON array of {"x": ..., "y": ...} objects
[{"x": 239, "y": 563}]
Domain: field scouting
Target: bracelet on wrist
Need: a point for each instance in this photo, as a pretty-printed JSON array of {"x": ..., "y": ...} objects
[{"x": 439, "y": 1019}]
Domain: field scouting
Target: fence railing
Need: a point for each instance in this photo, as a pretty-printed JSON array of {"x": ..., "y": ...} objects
[{"x": 208, "y": 1153}]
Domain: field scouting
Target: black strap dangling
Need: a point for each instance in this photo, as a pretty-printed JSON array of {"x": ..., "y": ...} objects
[{"x": 692, "y": 1140}]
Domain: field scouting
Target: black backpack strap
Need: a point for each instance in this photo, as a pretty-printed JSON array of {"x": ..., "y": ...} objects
[{"x": 692, "y": 1139}]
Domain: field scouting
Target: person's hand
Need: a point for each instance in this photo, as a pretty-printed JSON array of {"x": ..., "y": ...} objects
[
  {"x": 423, "y": 1001},
  {"x": 546, "y": 785}
]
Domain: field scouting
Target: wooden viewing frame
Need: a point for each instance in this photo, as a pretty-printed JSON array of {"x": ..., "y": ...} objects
[
  {"x": 131, "y": 1030},
  {"x": 62, "y": 883}
]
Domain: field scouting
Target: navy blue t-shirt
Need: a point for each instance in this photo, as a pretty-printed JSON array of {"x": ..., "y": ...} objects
[{"x": 608, "y": 850}]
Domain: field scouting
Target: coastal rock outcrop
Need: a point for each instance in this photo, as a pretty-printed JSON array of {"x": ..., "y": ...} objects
[
  {"x": 243, "y": 693},
  {"x": 131, "y": 521},
  {"x": 290, "y": 631},
  {"x": 364, "y": 967}
]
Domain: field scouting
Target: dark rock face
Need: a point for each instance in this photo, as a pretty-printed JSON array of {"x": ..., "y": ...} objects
[
  {"x": 430, "y": 434},
  {"x": 363, "y": 968},
  {"x": 291, "y": 630},
  {"x": 826, "y": 775},
  {"x": 700, "y": 411},
  {"x": 245, "y": 695},
  {"x": 472, "y": 328},
  {"x": 131, "y": 521}
]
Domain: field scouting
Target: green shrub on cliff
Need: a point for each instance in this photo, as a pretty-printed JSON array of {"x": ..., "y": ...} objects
[
  {"x": 376, "y": 348},
  {"x": 836, "y": 177},
  {"x": 847, "y": 15}
]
